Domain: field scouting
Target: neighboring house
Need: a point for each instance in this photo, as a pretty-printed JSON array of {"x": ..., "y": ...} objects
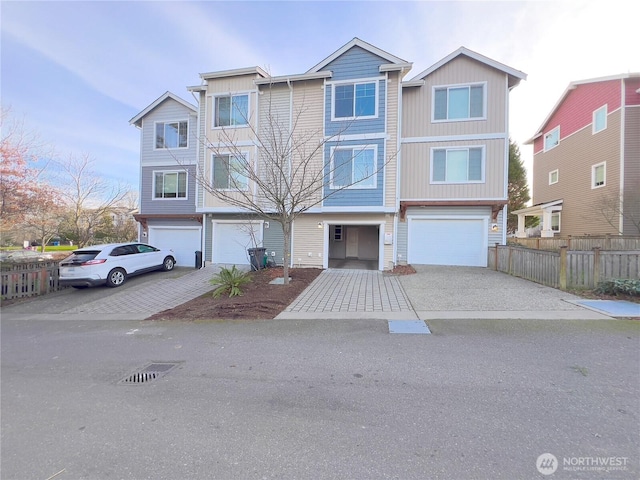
[
  {"x": 168, "y": 154},
  {"x": 586, "y": 163},
  {"x": 438, "y": 145}
]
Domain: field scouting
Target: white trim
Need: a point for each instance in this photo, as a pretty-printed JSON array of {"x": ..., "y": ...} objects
[
  {"x": 247, "y": 158},
  {"x": 351, "y": 209},
  {"x": 593, "y": 175},
  {"x": 360, "y": 81},
  {"x": 456, "y": 138},
  {"x": 447, "y": 150},
  {"x": 176, "y": 198},
  {"x": 485, "y": 220},
  {"x": 459, "y": 85},
  {"x": 455, "y": 199},
  {"x": 239, "y": 93},
  {"x": 356, "y": 137},
  {"x": 476, "y": 56},
  {"x": 595, "y": 112},
  {"x": 167, "y": 95},
  {"x": 234, "y": 73},
  {"x": 556, "y": 171},
  {"x": 354, "y": 149},
  {"x": 353, "y": 223},
  {"x": 165, "y": 122},
  {"x": 544, "y": 139}
]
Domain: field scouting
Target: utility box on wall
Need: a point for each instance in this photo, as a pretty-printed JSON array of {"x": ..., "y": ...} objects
[{"x": 388, "y": 238}]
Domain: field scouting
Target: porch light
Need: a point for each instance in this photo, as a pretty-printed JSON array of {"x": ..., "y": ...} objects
[
  {"x": 494, "y": 227},
  {"x": 319, "y": 224}
]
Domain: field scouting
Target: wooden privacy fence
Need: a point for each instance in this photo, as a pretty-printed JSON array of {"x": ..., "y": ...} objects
[
  {"x": 605, "y": 242},
  {"x": 19, "y": 280},
  {"x": 565, "y": 268}
]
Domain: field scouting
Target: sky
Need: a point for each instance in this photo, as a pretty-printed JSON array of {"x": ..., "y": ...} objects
[{"x": 76, "y": 72}]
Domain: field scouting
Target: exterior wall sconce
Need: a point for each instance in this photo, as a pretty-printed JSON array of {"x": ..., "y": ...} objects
[
  {"x": 494, "y": 227},
  {"x": 319, "y": 224}
]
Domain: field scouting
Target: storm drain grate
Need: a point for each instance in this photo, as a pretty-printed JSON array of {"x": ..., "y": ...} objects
[{"x": 148, "y": 374}]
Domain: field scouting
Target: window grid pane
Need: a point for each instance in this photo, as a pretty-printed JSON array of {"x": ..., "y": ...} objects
[
  {"x": 458, "y": 103},
  {"x": 363, "y": 168},
  {"x": 342, "y": 168},
  {"x": 344, "y": 101},
  {"x": 366, "y": 99},
  {"x": 240, "y": 113},
  {"x": 223, "y": 111},
  {"x": 440, "y": 106}
]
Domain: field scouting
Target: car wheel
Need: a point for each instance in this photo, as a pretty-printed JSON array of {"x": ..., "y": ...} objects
[
  {"x": 116, "y": 277},
  {"x": 168, "y": 264}
]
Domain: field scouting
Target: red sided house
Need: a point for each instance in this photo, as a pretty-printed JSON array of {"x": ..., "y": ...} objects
[{"x": 586, "y": 161}]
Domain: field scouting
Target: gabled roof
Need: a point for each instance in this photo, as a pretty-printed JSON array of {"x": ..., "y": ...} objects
[
  {"x": 137, "y": 120},
  {"x": 573, "y": 86},
  {"x": 514, "y": 75},
  {"x": 395, "y": 63}
]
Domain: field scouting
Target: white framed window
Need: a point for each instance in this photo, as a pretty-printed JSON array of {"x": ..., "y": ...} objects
[
  {"x": 354, "y": 100},
  {"x": 553, "y": 177},
  {"x": 552, "y": 138},
  {"x": 172, "y": 134},
  {"x": 457, "y": 165},
  {"x": 354, "y": 167},
  {"x": 459, "y": 102},
  {"x": 169, "y": 185},
  {"x": 600, "y": 119},
  {"x": 555, "y": 221},
  {"x": 231, "y": 110},
  {"x": 230, "y": 172},
  {"x": 599, "y": 175}
]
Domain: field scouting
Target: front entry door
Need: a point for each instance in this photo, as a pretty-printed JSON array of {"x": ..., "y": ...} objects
[{"x": 352, "y": 242}]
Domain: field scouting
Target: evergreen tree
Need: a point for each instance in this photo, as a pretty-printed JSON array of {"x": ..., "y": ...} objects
[{"x": 518, "y": 189}]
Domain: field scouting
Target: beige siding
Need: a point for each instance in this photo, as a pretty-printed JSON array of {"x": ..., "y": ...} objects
[
  {"x": 416, "y": 175},
  {"x": 417, "y": 101},
  {"x": 307, "y": 237},
  {"x": 632, "y": 171},
  {"x": 574, "y": 158}
]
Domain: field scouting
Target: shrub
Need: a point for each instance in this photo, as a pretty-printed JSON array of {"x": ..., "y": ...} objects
[
  {"x": 619, "y": 286},
  {"x": 229, "y": 281}
]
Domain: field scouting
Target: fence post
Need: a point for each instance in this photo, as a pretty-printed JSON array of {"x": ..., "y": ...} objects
[
  {"x": 509, "y": 261},
  {"x": 563, "y": 267},
  {"x": 596, "y": 266},
  {"x": 538, "y": 243},
  {"x": 569, "y": 242},
  {"x": 607, "y": 241},
  {"x": 495, "y": 266}
]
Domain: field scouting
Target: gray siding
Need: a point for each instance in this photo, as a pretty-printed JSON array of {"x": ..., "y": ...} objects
[
  {"x": 273, "y": 241},
  {"x": 632, "y": 171},
  {"x": 149, "y": 205}
]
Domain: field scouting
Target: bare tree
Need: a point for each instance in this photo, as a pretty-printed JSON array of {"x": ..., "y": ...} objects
[
  {"x": 45, "y": 215},
  {"x": 612, "y": 209},
  {"x": 88, "y": 197},
  {"x": 291, "y": 173}
]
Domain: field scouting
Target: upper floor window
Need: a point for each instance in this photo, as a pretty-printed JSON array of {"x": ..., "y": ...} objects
[
  {"x": 458, "y": 102},
  {"x": 553, "y": 177},
  {"x": 552, "y": 138},
  {"x": 353, "y": 167},
  {"x": 230, "y": 172},
  {"x": 231, "y": 111},
  {"x": 598, "y": 175},
  {"x": 354, "y": 100},
  {"x": 172, "y": 134},
  {"x": 457, "y": 165},
  {"x": 170, "y": 185},
  {"x": 600, "y": 119}
]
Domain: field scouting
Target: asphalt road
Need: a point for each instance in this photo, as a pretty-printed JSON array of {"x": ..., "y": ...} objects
[{"x": 318, "y": 399}]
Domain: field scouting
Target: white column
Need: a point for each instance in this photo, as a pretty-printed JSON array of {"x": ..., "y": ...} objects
[
  {"x": 546, "y": 224},
  {"x": 521, "y": 232}
]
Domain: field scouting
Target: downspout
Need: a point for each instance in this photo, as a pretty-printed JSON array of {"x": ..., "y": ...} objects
[
  {"x": 290, "y": 164},
  {"x": 623, "y": 114},
  {"x": 398, "y": 170},
  {"x": 505, "y": 209}
]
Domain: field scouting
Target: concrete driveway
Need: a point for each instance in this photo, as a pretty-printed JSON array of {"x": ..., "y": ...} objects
[{"x": 444, "y": 292}]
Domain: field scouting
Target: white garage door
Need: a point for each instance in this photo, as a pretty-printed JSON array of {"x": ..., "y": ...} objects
[
  {"x": 183, "y": 241},
  {"x": 448, "y": 241},
  {"x": 231, "y": 241}
]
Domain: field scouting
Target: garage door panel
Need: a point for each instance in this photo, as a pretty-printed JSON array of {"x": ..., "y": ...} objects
[
  {"x": 183, "y": 241},
  {"x": 447, "y": 242},
  {"x": 230, "y": 243}
]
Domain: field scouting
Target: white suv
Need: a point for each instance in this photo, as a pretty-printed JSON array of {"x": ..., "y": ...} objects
[{"x": 112, "y": 263}]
